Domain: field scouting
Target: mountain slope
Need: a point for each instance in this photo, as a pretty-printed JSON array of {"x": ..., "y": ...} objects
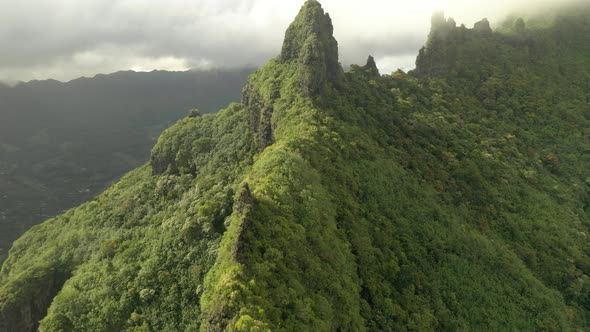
[
  {"x": 62, "y": 143},
  {"x": 327, "y": 200}
]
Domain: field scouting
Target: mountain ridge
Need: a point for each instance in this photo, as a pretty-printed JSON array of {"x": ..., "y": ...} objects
[{"x": 439, "y": 201}]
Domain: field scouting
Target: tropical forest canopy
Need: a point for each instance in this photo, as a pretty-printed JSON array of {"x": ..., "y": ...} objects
[{"x": 451, "y": 197}]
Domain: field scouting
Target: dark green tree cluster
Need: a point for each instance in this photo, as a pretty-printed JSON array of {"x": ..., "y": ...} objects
[{"x": 453, "y": 197}]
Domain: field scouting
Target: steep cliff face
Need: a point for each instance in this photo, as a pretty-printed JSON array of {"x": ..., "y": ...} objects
[
  {"x": 451, "y": 198},
  {"x": 472, "y": 55},
  {"x": 32, "y": 305},
  {"x": 309, "y": 60},
  {"x": 448, "y": 45},
  {"x": 310, "y": 41}
]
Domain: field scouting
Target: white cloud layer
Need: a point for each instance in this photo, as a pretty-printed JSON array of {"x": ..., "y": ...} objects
[{"x": 65, "y": 39}]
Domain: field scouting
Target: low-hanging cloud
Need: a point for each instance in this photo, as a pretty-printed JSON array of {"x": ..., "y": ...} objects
[{"x": 64, "y": 39}]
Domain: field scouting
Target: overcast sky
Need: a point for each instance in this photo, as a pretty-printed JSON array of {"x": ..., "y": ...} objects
[{"x": 65, "y": 39}]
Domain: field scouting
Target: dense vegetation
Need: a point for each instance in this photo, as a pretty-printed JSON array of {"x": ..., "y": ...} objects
[
  {"x": 453, "y": 197},
  {"x": 61, "y": 144}
]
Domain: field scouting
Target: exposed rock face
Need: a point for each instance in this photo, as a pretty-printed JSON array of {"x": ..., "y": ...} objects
[
  {"x": 310, "y": 41},
  {"x": 26, "y": 316},
  {"x": 244, "y": 205},
  {"x": 261, "y": 111},
  {"x": 445, "y": 44},
  {"x": 441, "y": 27},
  {"x": 483, "y": 26},
  {"x": 371, "y": 67}
]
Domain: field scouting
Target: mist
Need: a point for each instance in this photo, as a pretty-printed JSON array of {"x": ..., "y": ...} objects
[{"x": 65, "y": 39}]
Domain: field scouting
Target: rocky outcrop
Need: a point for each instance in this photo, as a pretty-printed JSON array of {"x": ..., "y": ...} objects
[
  {"x": 32, "y": 307},
  {"x": 261, "y": 111},
  {"x": 370, "y": 68},
  {"x": 244, "y": 205},
  {"x": 310, "y": 41},
  {"x": 310, "y": 47},
  {"x": 443, "y": 50},
  {"x": 483, "y": 27}
]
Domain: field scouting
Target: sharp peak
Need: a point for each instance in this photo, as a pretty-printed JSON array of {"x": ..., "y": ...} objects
[
  {"x": 311, "y": 4},
  {"x": 371, "y": 67},
  {"x": 311, "y": 21},
  {"x": 310, "y": 41},
  {"x": 371, "y": 62},
  {"x": 482, "y": 26},
  {"x": 440, "y": 22}
]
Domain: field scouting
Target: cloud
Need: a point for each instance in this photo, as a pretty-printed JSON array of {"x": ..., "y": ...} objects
[{"x": 65, "y": 39}]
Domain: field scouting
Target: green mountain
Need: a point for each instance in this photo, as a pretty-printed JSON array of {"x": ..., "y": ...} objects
[
  {"x": 61, "y": 144},
  {"x": 453, "y": 197}
]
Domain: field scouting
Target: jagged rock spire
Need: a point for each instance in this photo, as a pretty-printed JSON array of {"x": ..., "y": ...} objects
[
  {"x": 310, "y": 22},
  {"x": 309, "y": 56},
  {"x": 371, "y": 63},
  {"x": 483, "y": 26},
  {"x": 371, "y": 67},
  {"x": 310, "y": 41},
  {"x": 437, "y": 20},
  {"x": 440, "y": 25}
]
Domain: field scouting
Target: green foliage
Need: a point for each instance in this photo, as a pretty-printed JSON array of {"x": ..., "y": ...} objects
[
  {"x": 61, "y": 144},
  {"x": 454, "y": 197},
  {"x": 135, "y": 258}
]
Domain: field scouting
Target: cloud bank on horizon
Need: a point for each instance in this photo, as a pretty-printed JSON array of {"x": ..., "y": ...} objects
[{"x": 65, "y": 39}]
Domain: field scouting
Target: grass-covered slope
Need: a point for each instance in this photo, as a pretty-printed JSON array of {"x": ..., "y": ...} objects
[{"x": 451, "y": 198}]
